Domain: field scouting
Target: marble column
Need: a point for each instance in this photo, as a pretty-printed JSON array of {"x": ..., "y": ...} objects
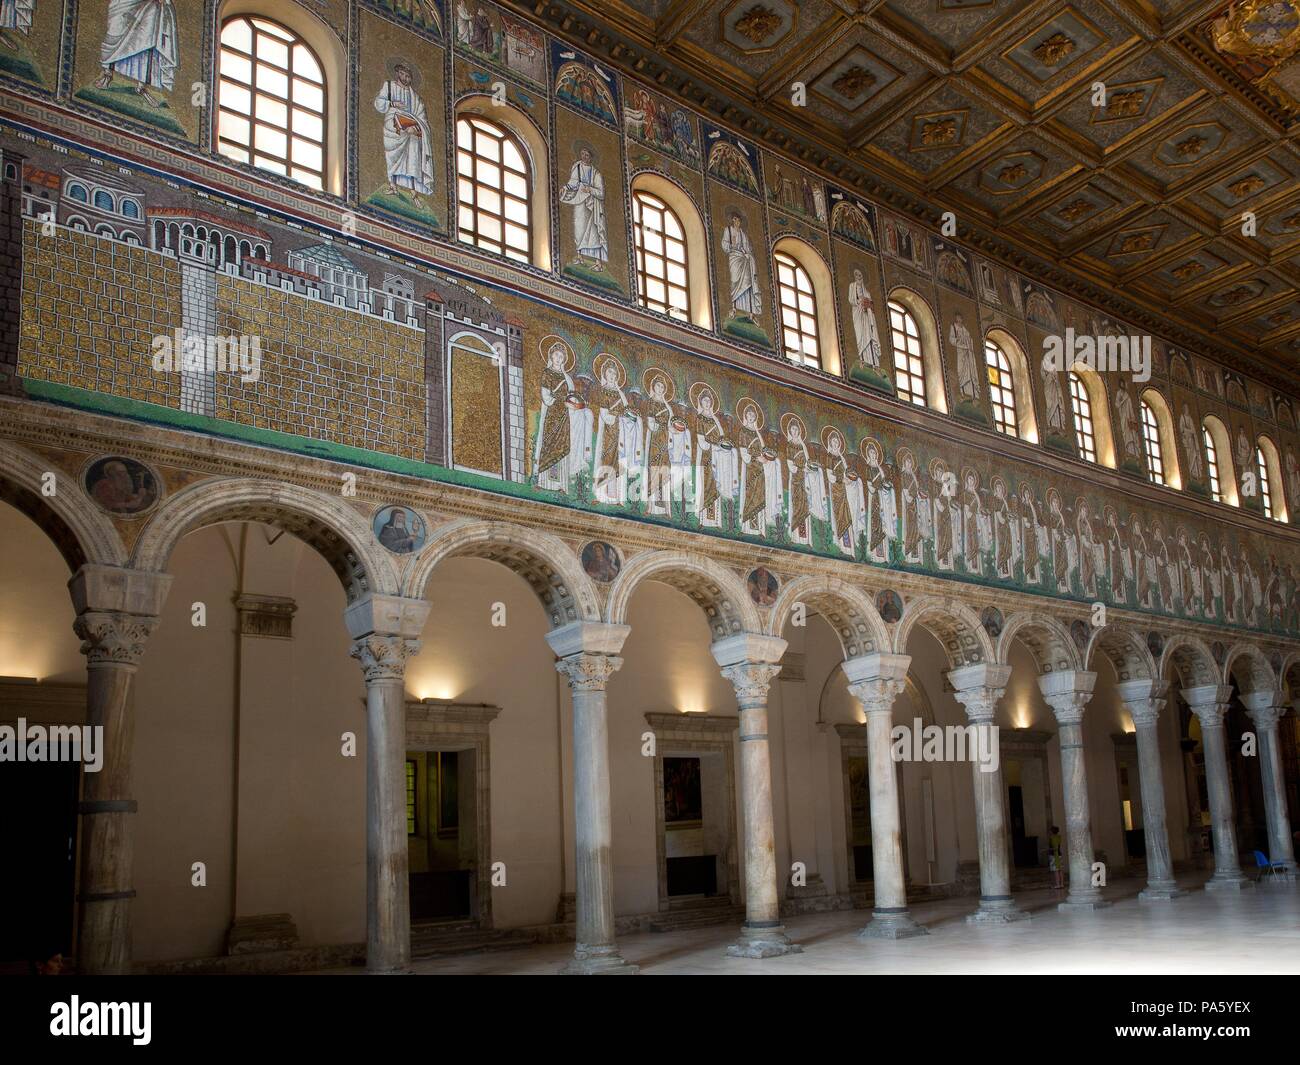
[
  {"x": 1143, "y": 700},
  {"x": 588, "y": 657},
  {"x": 1067, "y": 693},
  {"x": 1266, "y": 709},
  {"x": 384, "y": 630},
  {"x": 116, "y": 611},
  {"x": 978, "y": 688},
  {"x": 750, "y": 662},
  {"x": 1210, "y": 704},
  {"x": 875, "y": 681}
]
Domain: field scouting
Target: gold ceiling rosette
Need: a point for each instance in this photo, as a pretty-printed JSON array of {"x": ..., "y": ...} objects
[{"x": 1264, "y": 35}]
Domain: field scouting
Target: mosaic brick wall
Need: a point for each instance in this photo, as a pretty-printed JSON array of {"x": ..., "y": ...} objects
[
  {"x": 327, "y": 372},
  {"x": 90, "y": 311}
]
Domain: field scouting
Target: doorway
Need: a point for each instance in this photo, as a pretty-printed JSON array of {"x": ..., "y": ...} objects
[
  {"x": 38, "y": 881},
  {"x": 440, "y": 824},
  {"x": 695, "y": 803},
  {"x": 448, "y": 804}
]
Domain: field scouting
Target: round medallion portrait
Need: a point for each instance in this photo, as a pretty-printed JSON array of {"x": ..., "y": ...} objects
[
  {"x": 601, "y": 561},
  {"x": 121, "y": 485},
  {"x": 400, "y": 529}
]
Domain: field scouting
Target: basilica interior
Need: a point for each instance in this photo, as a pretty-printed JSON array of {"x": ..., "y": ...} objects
[{"x": 679, "y": 486}]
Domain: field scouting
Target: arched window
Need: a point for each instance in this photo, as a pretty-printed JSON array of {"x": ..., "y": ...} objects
[
  {"x": 1092, "y": 425},
  {"x": 1212, "y": 465},
  {"x": 798, "y": 305},
  {"x": 1151, "y": 446},
  {"x": 663, "y": 268},
  {"x": 1084, "y": 434},
  {"x": 1218, "y": 461},
  {"x": 271, "y": 100},
  {"x": 1158, "y": 439},
  {"x": 1002, "y": 388},
  {"x": 1271, "y": 484},
  {"x": 1261, "y": 470},
  {"x": 493, "y": 189},
  {"x": 649, "y": 190},
  {"x": 914, "y": 337},
  {"x": 909, "y": 363}
]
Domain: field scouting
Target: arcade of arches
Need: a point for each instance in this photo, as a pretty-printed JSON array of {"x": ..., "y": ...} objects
[{"x": 502, "y": 779}]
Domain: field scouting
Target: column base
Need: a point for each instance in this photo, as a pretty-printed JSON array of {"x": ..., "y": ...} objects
[
  {"x": 997, "y": 911},
  {"x": 1290, "y": 876},
  {"x": 603, "y": 961},
  {"x": 892, "y": 924},
  {"x": 1161, "y": 891},
  {"x": 769, "y": 941},
  {"x": 1228, "y": 882},
  {"x": 1082, "y": 904}
]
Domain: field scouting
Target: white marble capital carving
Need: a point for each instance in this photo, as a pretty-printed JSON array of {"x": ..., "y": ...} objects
[
  {"x": 383, "y": 658},
  {"x": 112, "y": 638},
  {"x": 588, "y": 672},
  {"x": 1067, "y": 692}
]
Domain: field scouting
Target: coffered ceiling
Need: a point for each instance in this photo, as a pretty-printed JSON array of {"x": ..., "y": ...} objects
[{"x": 986, "y": 108}]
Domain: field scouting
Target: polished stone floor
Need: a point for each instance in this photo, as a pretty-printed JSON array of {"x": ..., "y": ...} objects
[{"x": 1253, "y": 931}]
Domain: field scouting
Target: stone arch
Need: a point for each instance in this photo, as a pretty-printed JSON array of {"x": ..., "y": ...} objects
[
  {"x": 1192, "y": 660},
  {"x": 1125, "y": 649},
  {"x": 1047, "y": 639},
  {"x": 341, "y": 535},
  {"x": 1250, "y": 665},
  {"x": 846, "y": 609},
  {"x": 719, "y": 592},
  {"x": 1290, "y": 667},
  {"x": 544, "y": 561},
  {"x": 80, "y": 530},
  {"x": 955, "y": 626}
]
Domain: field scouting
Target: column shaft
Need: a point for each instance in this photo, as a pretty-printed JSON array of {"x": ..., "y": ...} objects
[
  {"x": 107, "y": 826},
  {"x": 883, "y": 678},
  {"x": 1160, "y": 866},
  {"x": 979, "y": 688},
  {"x": 1280, "y": 847},
  {"x": 1210, "y": 704},
  {"x": 1078, "y": 818},
  {"x": 113, "y": 643}
]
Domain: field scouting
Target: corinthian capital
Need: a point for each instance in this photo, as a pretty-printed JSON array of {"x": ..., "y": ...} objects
[
  {"x": 383, "y": 657},
  {"x": 980, "y": 704},
  {"x": 877, "y": 696},
  {"x": 588, "y": 672},
  {"x": 1266, "y": 717},
  {"x": 112, "y": 638},
  {"x": 1068, "y": 706},
  {"x": 1144, "y": 712},
  {"x": 751, "y": 681}
]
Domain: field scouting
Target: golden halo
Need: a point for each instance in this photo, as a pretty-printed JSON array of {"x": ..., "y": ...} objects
[
  {"x": 550, "y": 341},
  {"x": 743, "y": 404},
  {"x": 788, "y": 419},
  {"x": 605, "y": 359},
  {"x": 653, "y": 374},
  {"x": 700, "y": 389},
  {"x": 865, "y": 444}
]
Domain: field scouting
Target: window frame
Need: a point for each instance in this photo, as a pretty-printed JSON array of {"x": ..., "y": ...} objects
[
  {"x": 322, "y": 175},
  {"x": 1085, "y": 430},
  {"x": 1002, "y": 394},
  {"x": 1213, "y": 475},
  {"x": 901, "y": 342},
  {"x": 803, "y": 292},
  {"x": 666, "y": 210},
  {"x": 1153, "y": 451},
  {"x": 505, "y": 136}
]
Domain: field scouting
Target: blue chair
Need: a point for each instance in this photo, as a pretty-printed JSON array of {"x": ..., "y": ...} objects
[{"x": 1266, "y": 866}]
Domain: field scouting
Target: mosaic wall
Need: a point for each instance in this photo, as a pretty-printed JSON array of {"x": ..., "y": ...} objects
[{"x": 386, "y": 354}]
